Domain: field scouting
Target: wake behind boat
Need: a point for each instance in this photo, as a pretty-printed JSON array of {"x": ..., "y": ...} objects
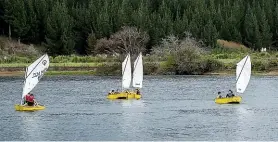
[
  {"x": 126, "y": 79},
  {"x": 243, "y": 74},
  {"x": 33, "y": 74}
]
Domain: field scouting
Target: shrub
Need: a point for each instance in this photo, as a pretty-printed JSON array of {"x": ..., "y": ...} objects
[
  {"x": 211, "y": 65},
  {"x": 273, "y": 63},
  {"x": 276, "y": 55},
  {"x": 151, "y": 68},
  {"x": 222, "y": 56},
  {"x": 16, "y": 59},
  {"x": 260, "y": 65},
  {"x": 183, "y": 56},
  {"x": 109, "y": 69},
  {"x": 264, "y": 54}
]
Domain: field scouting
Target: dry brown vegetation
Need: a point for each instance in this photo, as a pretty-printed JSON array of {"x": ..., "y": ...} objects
[
  {"x": 11, "y": 48},
  {"x": 231, "y": 45}
]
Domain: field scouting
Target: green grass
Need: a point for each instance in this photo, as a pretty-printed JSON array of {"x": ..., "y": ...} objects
[
  {"x": 261, "y": 62},
  {"x": 70, "y": 73},
  {"x": 56, "y": 64},
  {"x": 228, "y": 61}
]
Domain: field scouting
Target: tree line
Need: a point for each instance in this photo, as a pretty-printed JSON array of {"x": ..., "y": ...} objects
[{"x": 70, "y": 26}]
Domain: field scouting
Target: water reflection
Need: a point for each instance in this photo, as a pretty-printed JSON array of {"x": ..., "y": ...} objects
[
  {"x": 133, "y": 103},
  {"x": 132, "y": 117},
  {"x": 31, "y": 125}
]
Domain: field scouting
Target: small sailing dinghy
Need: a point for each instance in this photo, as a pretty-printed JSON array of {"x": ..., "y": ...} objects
[
  {"x": 127, "y": 78},
  {"x": 33, "y": 74},
  {"x": 243, "y": 74}
]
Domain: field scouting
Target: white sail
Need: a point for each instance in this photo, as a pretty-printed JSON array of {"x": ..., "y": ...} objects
[
  {"x": 34, "y": 72},
  {"x": 138, "y": 72},
  {"x": 126, "y": 72},
  {"x": 243, "y": 73}
]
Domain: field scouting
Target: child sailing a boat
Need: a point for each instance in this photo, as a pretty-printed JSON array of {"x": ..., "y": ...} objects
[{"x": 29, "y": 100}]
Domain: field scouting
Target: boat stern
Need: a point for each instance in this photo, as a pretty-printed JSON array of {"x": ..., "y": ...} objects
[
  {"x": 229, "y": 100},
  {"x": 124, "y": 95},
  {"x": 28, "y": 108}
]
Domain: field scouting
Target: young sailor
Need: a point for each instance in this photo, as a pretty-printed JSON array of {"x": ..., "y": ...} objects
[
  {"x": 137, "y": 92},
  {"x": 230, "y": 94},
  {"x": 219, "y": 95},
  {"x": 30, "y": 99}
]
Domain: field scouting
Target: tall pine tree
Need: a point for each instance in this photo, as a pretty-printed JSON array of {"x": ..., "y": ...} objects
[{"x": 59, "y": 32}]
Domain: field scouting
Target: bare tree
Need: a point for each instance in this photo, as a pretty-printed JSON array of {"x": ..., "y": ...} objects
[
  {"x": 127, "y": 40},
  {"x": 130, "y": 39}
]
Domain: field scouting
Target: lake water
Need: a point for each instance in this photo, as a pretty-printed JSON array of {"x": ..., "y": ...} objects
[{"x": 172, "y": 108}]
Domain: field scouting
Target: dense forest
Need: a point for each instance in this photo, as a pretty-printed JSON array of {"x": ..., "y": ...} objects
[{"x": 74, "y": 26}]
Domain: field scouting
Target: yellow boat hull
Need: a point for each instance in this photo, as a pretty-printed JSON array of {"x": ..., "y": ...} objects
[
  {"x": 124, "y": 95},
  {"x": 28, "y": 108},
  {"x": 229, "y": 100}
]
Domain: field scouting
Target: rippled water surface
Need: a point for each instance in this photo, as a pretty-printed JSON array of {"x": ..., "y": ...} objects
[{"x": 172, "y": 108}]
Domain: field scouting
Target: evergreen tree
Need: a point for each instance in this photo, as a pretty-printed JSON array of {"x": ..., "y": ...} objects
[
  {"x": 42, "y": 8},
  {"x": 124, "y": 13},
  {"x": 275, "y": 26},
  {"x": 91, "y": 41},
  {"x": 59, "y": 34},
  {"x": 33, "y": 34},
  {"x": 103, "y": 22},
  {"x": 210, "y": 33},
  {"x": 141, "y": 16},
  {"x": 181, "y": 23},
  {"x": 113, "y": 12},
  {"x": 252, "y": 34},
  {"x": 16, "y": 17},
  {"x": 65, "y": 24},
  {"x": 264, "y": 28},
  {"x": 165, "y": 19}
]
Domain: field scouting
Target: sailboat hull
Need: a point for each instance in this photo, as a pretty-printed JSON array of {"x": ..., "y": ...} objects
[
  {"x": 28, "y": 108},
  {"x": 124, "y": 95},
  {"x": 230, "y": 100}
]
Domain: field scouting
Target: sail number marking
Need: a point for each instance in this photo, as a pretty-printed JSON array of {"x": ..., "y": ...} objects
[{"x": 39, "y": 73}]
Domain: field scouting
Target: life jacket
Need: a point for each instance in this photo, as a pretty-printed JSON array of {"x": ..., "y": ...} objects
[{"x": 29, "y": 98}]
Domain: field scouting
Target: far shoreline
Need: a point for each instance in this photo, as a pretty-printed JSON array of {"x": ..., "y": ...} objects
[{"x": 77, "y": 73}]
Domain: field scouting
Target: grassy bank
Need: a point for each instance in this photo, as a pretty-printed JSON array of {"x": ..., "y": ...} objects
[
  {"x": 49, "y": 73},
  {"x": 56, "y": 73},
  {"x": 263, "y": 63},
  {"x": 105, "y": 68}
]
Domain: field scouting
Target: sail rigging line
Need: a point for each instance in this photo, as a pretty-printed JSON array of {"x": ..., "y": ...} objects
[{"x": 242, "y": 68}]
